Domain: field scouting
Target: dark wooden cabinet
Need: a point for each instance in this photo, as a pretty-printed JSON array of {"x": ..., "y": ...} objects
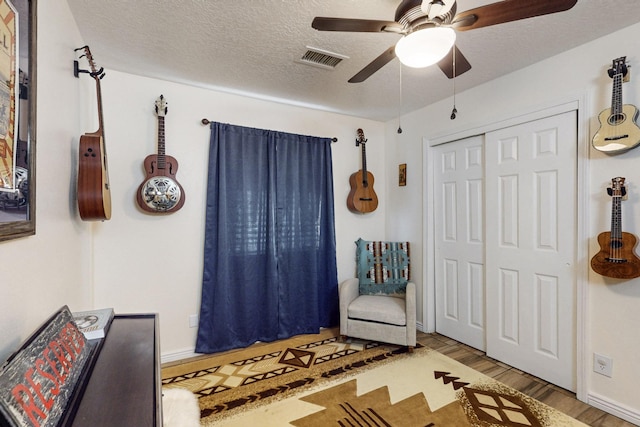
[{"x": 124, "y": 387}]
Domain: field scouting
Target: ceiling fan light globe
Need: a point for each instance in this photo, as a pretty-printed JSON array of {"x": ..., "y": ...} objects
[{"x": 425, "y": 47}]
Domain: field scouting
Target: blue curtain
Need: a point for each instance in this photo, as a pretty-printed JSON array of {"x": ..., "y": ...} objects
[{"x": 269, "y": 250}]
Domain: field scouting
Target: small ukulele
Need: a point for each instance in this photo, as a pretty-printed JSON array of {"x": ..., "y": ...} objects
[
  {"x": 94, "y": 194},
  {"x": 618, "y": 128},
  {"x": 616, "y": 257},
  {"x": 160, "y": 192},
  {"x": 362, "y": 197}
]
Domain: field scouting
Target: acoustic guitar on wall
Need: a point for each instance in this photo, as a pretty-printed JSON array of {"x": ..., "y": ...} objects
[
  {"x": 160, "y": 192},
  {"x": 616, "y": 257},
  {"x": 618, "y": 130},
  {"x": 362, "y": 198},
  {"x": 93, "y": 191}
]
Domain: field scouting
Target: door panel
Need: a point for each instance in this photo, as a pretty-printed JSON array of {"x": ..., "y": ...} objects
[
  {"x": 530, "y": 183},
  {"x": 459, "y": 241}
]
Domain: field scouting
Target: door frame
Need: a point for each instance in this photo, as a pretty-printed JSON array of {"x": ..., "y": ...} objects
[{"x": 579, "y": 104}]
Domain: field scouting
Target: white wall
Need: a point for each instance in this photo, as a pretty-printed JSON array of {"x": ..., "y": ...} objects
[
  {"x": 613, "y": 306},
  {"x": 405, "y": 224}
]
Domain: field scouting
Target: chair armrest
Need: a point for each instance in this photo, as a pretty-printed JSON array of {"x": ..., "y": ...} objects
[
  {"x": 347, "y": 292},
  {"x": 410, "y": 304}
]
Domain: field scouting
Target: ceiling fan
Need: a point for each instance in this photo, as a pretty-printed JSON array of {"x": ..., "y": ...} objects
[{"x": 429, "y": 29}]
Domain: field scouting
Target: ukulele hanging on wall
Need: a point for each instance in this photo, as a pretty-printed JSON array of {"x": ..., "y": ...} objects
[
  {"x": 618, "y": 130},
  {"x": 616, "y": 257},
  {"x": 93, "y": 191},
  {"x": 362, "y": 198},
  {"x": 160, "y": 192}
]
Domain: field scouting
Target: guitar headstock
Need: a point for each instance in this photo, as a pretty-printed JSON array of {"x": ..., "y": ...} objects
[
  {"x": 619, "y": 67},
  {"x": 617, "y": 187},
  {"x": 95, "y": 72},
  {"x": 361, "y": 139},
  {"x": 161, "y": 106}
]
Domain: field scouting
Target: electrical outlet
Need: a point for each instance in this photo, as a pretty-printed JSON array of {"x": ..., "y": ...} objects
[
  {"x": 602, "y": 365},
  {"x": 193, "y": 321}
]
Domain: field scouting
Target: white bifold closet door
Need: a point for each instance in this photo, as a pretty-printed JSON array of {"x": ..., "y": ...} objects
[{"x": 506, "y": 243}]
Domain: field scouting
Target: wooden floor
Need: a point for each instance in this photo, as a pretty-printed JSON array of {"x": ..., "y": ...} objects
[{"x": 550, "y": 394}]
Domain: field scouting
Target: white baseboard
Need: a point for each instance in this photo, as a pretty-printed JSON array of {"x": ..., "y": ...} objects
[
  {"x": 178, "y": 355},
  {"x": 614, "y": 408}
]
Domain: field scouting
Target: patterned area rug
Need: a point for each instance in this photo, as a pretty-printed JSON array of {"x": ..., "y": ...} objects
[{"x": 315, "y": 380}]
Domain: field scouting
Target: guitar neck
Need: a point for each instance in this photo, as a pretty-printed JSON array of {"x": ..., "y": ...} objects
[
  {"x": 100, "y": 130},
  {"x": 161, "y": 144},
  {"x": 617, "y": 192},
  {"x": 365, "y": 178},
  {"x": 616, "y": 217},
  {"x": 616, "y": 95}
]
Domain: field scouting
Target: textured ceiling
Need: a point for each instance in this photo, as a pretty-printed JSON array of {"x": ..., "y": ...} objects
[{"x": 251, "y": 47}]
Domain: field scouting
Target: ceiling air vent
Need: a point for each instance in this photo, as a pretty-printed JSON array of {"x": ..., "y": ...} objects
[{"x": 321, "y": 58}]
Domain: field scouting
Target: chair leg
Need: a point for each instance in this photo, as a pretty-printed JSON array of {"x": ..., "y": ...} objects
[
  {"x": 342, "y": 338},
  {"x": 410, "y": 348}
]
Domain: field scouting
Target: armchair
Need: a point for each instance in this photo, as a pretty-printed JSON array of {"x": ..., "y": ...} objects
[{"x": 380, "y": 304}]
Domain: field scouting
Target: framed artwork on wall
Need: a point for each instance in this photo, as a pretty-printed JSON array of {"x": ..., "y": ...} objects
[
  {"x": 8, "y": 95},
  {"x": 17, "y": 118},
  {"x": 402, "y": 175}
]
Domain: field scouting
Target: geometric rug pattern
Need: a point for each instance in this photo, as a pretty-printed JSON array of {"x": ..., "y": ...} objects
[
  {"x": 265, "y": 366},
  {"x": 257, "y": 379},
  {"x": 489, "y": 404},
  {"x": 325, "y": 382}
]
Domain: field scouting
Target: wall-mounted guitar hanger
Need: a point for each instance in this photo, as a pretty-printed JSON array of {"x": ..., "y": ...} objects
[{"x": 77, "y": 70}]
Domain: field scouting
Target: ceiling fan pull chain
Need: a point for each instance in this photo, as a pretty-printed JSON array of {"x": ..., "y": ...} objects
[
  {"x": 455, "y": 110},
  {"x": 400, "y": 101}
]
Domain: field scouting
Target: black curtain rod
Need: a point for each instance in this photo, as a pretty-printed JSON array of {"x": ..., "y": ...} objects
[{"x": 207, "y": 121}]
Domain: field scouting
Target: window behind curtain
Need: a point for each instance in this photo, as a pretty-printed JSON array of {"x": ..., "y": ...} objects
[{"x": 269, "y": 255}]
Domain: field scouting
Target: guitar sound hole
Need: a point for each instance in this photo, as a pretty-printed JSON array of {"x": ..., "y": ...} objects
[
  {"x": 616, "y": 244},
  {"x": 616, "y": 119}
]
